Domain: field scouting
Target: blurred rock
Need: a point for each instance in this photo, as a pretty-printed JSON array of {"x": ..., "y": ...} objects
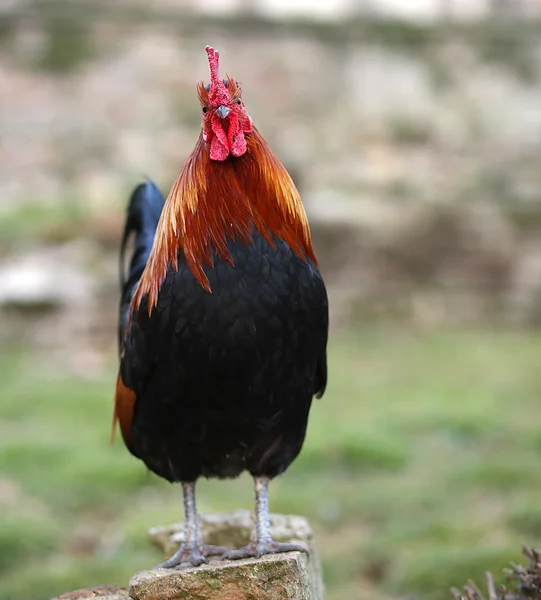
[
  {"x": 103, "y": 592},
  {"x": 61, "y": 298},
  {"x": 50, "y": 277}
]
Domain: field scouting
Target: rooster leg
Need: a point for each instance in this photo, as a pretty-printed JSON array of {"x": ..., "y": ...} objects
[
  {"x": 192, "y": 551},
  {"x": 263, "y": 543}
]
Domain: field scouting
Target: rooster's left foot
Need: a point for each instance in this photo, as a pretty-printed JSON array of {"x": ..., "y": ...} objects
[{"x": 256, "y": 550}]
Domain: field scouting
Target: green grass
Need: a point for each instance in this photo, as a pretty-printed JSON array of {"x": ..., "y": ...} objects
[{"x": 420, "y": 470}]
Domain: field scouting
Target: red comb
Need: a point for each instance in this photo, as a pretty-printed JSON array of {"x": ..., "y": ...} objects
[{"x": 218, "y": 93}]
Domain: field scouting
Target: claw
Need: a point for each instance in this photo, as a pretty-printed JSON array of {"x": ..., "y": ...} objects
[
  {"x": 256, "y": 550},
  {"x": 194, "y": 555}
]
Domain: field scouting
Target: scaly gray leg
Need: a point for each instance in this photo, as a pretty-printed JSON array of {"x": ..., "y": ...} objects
[
  {"x": 192, "y": 551},
  {"x": 263, "y": 544}
]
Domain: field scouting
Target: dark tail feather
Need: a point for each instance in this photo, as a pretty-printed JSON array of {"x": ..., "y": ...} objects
[{"x": 144, "y": 212}]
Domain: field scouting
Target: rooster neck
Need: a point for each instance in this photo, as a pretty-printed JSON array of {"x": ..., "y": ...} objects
[{"x": 214, "y": 202}]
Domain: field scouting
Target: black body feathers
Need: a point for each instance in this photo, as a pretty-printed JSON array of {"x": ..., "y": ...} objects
[
  {"x": 144, "y": 210},
  {"x": 224, "y": 380}
]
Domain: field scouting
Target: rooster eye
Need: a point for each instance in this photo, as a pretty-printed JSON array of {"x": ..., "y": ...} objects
[
  {"x": 204, "y": 109},
  {"x": 239, "y": 101}
]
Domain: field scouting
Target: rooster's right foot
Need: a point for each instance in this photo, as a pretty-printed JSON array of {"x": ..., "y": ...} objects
[{"x": 192, "y": 554}]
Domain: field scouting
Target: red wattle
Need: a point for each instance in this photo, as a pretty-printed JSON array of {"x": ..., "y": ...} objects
[
  {"x": 237, "y": 142},
  {"x": 219, "y": 146},
  {"x": 217, "y": 150}
]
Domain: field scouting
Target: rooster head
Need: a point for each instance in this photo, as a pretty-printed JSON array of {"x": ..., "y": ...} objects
[{"x": 225, "y": 120}]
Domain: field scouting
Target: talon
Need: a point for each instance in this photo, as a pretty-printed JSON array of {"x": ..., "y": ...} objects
[
  {"x": 253, "y": 550},
  {"x": 193, "y": 555}
]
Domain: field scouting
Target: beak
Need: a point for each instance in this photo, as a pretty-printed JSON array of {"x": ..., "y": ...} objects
[{"x": 222, "y": 111}]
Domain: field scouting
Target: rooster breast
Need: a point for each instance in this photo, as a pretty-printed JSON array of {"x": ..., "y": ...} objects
[{"x": 224, "y": 380}]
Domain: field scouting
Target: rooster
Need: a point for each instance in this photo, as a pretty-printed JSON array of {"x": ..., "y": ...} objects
[{"x": 223, "y": 320}]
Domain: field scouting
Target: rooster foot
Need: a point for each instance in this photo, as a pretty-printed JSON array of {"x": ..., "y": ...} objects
[
  {"x": 256, "y": 550},
  {"x": 192, "y": 554}
]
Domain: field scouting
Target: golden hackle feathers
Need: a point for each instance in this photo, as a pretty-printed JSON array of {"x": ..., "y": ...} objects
[{"x": 212, "y": 202}]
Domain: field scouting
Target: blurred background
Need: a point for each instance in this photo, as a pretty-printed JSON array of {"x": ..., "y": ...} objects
[{"x": 413, "y": 131}]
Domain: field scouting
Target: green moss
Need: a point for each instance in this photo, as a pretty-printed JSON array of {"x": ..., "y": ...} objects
[
  {"x": 401, "y": 35},
  {"x": 8, "y": 25},
  {"x": 406, "y": 130},
  {"x": 67, "y": 46},
  {"x": 511, "y": 45},
  {"x": 440, "y": 74},
  {"x": 67, "y": 27},
  {"x": 212, "y": 581}
]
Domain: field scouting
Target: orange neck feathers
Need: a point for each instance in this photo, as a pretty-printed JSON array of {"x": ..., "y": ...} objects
[{"x": 212, "y": 202}]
